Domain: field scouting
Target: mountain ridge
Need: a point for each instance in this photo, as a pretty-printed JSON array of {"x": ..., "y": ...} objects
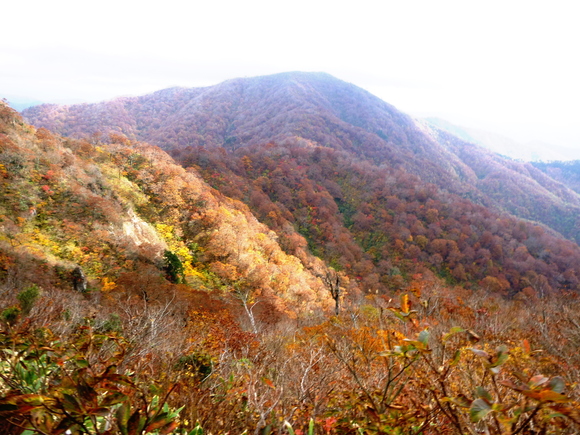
[{"x": 319, "y": 109}]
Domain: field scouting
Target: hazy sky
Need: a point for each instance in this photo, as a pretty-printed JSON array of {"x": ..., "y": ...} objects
[{"x": 511, "y": 66}]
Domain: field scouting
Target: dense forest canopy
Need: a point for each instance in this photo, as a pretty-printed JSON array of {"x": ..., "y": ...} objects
[
  {"x": 308, "y": 259},
  {"x": 317, "y": 109}
]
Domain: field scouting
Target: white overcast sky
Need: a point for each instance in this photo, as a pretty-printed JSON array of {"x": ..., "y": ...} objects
[{"x": 510, "y": 66}]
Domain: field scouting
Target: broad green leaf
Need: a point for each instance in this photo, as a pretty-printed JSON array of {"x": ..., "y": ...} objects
[
  {"x": 82, "y": 363},
  {"x": 424, "y": 337},
  {"x": 289, "y": 428},
  {"x": 172, "y": 413},
  {"x": 479, "y": 409},
  {"x": 113, "y": 398},
  {"x": 311, "y": 427},
  {"x": 71, "y": 404},
  {"x": 158, "y": 422},
  {"x": 456, "y": 358},
  {"x": 123, "y": 414},
  {"x": 557, "y": 384},
  {"x": 500, "y": 358},
  {"x": 197, "y": 430}
]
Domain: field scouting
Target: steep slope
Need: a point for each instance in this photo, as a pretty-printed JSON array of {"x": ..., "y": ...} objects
[
  {"x": 519, "y": 188},
  {"x": 567, "y": 173},
  {"x": 318, "y": 110},
  {"x": 128, "y": 216},
  {"x": 382, "y": 226}
]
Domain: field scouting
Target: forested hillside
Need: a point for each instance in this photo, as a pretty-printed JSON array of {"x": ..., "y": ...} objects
[
  {"x": 278, "y": 286},
  {"x": 380, "y": 226},
  {"x": 567, "y": 173},
  {"x": 114, "y": 209},
  {"x": 316, "y": 109}
]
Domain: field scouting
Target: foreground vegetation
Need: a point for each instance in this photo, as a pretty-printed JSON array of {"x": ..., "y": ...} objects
[{"x": 434, "y": 361}]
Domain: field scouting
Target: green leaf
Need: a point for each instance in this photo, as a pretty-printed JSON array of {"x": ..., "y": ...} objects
[
  {"x": 289, "y": 428},
  {"x": 123, "y": 414},
  {"x": 500, "y": 357},
  {"x": 479, "y": 409},
  {"x": 451, "y": 333},
  {"x": 557, "y": 384},
  {"x": 424, "y": 337},
  {"x": 158, "y": 422},
  {"x": 82, "y": 363},
  {"x": 154, "y": 402},
  {"x": 456, "y": 358},
  {"x": 197, "y": 430},
  {"x": 71, "y": 404},
  {"x": 173, "y": 413},
  {"x": 311, "y": 427},
  {"x": 483, "y": 394}
]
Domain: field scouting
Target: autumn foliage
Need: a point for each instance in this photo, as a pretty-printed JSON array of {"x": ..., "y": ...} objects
[{"x": 209, "y": 303}]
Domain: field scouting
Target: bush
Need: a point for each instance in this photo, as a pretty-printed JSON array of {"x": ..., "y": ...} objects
[
  {"x": 28, "y": 297},
  {"x": 10, "y": 315}
]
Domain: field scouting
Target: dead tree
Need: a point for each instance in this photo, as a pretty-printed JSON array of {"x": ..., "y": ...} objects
[
  {"x": 332, "y": 282},
  {"x": 79, "y": 280}
]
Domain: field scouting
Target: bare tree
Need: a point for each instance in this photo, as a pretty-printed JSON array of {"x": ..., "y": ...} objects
[{"x": 332, "y": 281}]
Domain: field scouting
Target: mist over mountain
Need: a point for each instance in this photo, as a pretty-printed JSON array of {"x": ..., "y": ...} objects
[
  {"x": 529, "y": 152},
  {"x": 21, "y": 103}
]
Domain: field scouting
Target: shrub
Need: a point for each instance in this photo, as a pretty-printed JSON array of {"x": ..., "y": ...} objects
[{"x": 28, "y": 297}]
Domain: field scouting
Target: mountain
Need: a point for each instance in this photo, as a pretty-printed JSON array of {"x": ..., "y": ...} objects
[
  {"x": 21, "y": 103},
  {"x": 528, "y": 152},
  {"x": 373, "y": 192},
  {"x": 320, "y": 110},
  {"x": 138, "y": 295},
  {"x": 121, "y": 211},
  {"x": 566, "y": 172}
]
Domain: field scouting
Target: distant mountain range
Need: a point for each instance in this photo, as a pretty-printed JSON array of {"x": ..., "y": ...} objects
[
  {"x": 21, "y": 103},
  {"x": 529, "y": 152}
]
